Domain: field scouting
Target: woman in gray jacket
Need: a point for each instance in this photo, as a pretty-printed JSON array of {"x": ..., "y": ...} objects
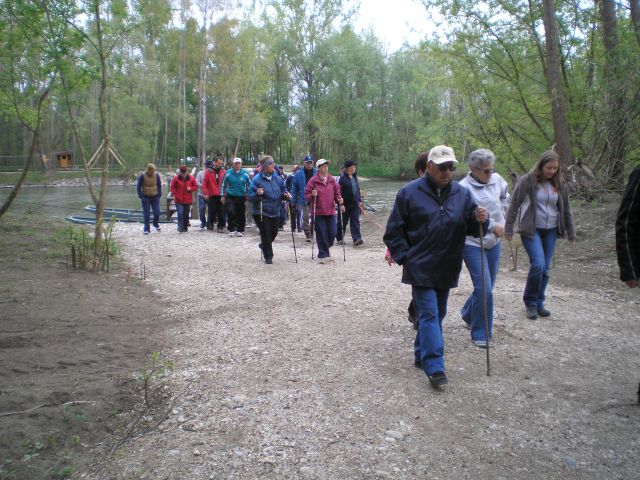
[
  {"x": 489, "y": 190},
  {"x": 540, "y": 203}
]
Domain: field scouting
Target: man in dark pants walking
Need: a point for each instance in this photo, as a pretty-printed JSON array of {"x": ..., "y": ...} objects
[
  {"x": 425, "y": 234},
  {"x": 235, "y": 187},
  {"x": 212, "y": 189},
  {"x": 350, "y": 189},
  {"x": 267, "y": 191}
]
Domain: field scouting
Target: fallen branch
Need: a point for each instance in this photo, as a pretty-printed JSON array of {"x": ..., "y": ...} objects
[{"x": 75, "y": 402}]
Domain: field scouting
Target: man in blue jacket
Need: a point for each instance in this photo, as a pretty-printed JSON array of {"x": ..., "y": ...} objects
[
  {"x": 298, "y": 184},
  {"x": 425, "y": 234},
  {"x": 267, "y": 191}
]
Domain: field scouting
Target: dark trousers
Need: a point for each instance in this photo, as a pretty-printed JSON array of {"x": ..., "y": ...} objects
[
  {"x": 268, "y": 232},
  {"x": 149, "y": 204},
  {"x": 352, "y": 214},
  {"x": 235, "y": 212},
  {"x": 325, "y": 228},
  {"x": 216, "y": 212}
]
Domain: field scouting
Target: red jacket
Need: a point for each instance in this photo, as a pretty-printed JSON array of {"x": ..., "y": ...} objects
[
  {"x": 211, "y": 185},
  {"x": 181, "y": 187},
  {"x": 328, "y": 194}
]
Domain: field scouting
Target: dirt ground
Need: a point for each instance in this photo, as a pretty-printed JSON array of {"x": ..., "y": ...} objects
[
  {"x": 70, "y": 344},
  {"x": 303, "y": 370}
]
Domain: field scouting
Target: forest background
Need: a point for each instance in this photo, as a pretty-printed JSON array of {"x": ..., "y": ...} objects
[{"x": 162, "y": 80}]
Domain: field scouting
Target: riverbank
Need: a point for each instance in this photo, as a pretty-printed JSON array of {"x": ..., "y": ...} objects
[
  {"x": 303, "y": 370},
  {"x": 70, "y": 345}
]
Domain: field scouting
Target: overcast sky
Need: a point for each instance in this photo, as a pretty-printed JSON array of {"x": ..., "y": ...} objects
[{"x": 395, "y": 22}]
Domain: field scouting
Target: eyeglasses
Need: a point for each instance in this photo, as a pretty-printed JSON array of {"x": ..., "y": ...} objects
[
  {"x": 447, "y": 166},
  {"x": 486, "y": 171}
]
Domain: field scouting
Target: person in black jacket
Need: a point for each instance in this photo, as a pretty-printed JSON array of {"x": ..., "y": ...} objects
[
  {"x": 350, "y": 189},
  {"x": 628, "y": 232},
  {"x": 425, "y": 233}
]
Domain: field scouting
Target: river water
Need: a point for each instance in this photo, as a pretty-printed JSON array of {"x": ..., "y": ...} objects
[{"x": 62, "y": 201}]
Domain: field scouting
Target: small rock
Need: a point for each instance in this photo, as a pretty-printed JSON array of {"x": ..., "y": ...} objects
[
  {"x": 173, "y": 452},
  {"x": 570, "y": 462},
  {"x": 396, "y": 435},
  {"x": 306, "y": 472},
  {"x": 181, "y": 419},
  {"x": 196, "y": 452}
]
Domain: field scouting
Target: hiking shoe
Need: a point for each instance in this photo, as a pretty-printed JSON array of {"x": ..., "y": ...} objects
[
  {"x": 543, "y": 312},
  {"x": 158, "y": 229},
  {"x": 239, "y": 234},
  {"x": 532, "y": 312},
  {"x": 308, "y": 239},
  {"x": 340, "y": 242},
  {"x": 145, "y": 233},
  {"x": 358, "y": 242},
  {"x": 438, "y": 379},
  {"x": 268, "y": 261},
  {"x": 221, "y": 230},
  {"x": 202, "y": 227},
  {"x": 417, "y": 363},
  {"x": 232, "y": 234},
  {"x": 480, "y": 343}
]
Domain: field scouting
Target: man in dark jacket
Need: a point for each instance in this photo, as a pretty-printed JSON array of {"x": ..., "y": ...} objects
[
  {"x": 267, "y": 191},
  {"x": 628, "y": 232},
  {"x": 350, "y": 189},
  {"x": 425, "y": 234}
]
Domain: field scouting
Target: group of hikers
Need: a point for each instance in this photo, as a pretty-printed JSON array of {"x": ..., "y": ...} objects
[
  {"x": 436, "y": 224},
  {"x": 314, "y": 201}
]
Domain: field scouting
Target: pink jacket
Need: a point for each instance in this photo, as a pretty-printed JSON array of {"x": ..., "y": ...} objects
[{"x": 328, "y": 195}]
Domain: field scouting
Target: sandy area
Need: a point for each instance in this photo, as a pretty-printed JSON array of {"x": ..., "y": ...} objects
[{"x": 302, "y": 370}]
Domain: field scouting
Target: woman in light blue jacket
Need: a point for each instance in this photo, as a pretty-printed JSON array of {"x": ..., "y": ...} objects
[{"x": 489, "y": 190}]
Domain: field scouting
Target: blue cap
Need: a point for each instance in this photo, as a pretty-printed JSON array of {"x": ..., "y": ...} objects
[{"x": 308, "y": 158}]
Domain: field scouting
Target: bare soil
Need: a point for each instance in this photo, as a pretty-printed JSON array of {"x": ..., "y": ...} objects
[{"x": 303, "y": 370}]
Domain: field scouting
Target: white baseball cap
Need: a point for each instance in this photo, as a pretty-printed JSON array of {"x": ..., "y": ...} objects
[
  {"x": 237, "y": 160},
  {"x": 442, "y": 154},
  {"x": 322, "y": 161}
]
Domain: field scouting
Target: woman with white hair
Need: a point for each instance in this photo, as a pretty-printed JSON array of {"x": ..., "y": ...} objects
[{"x": 489, "y": 190}]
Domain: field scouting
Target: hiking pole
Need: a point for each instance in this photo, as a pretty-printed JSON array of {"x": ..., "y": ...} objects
[
  {"x": 261, "y": 227},
  {"x": 344, "y": 233},
  {"x": 484, "y": 298},
  {"x": 313, "y": 224},
  {"x": 293, "y": 227}
]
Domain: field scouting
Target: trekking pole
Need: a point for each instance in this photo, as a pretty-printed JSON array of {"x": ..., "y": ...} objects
[
  {"x": 344, "y": 233},
  {"x": 313, "y": 225},
  {"x": 293, "y": 227},
  {"x": 484, "y": 298},
  {"x": 261, "y": 227}
]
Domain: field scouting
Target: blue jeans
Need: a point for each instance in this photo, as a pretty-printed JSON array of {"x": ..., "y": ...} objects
[
  {"x": 202, "y": 209},
  {"x": 428, "y": 347},
  {"x": 325, "y": 228},
  {"x": 473, "y": 310},
  {"x": 540, "y": 250},
  {"x": 150, "y": 204},
  {"x": 182, "y": 209}
]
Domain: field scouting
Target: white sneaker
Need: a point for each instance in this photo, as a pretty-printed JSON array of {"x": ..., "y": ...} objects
[
  {"x": 232, "y": 234},
  {"x": 158, "y": 229},
  {"x": 239, "y": 234}
]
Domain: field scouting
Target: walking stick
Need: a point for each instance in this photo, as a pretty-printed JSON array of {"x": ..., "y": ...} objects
[
  {"x": 261, "y": 227},
  {"x": 313, "y": 225},
  {"x": 293, "y": 227},
  {"x": 344, "y": 233},
  {"x": 484, "y": 298}
]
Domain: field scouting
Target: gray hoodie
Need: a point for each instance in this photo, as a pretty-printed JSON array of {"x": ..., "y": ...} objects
[
  {"x": 494, "y": 196},
  {"x": 523, "y": 207}
]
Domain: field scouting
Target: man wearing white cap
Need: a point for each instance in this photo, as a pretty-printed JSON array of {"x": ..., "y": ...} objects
[
  {"x": 235, "y": 188},
  {"x": 425, "y": 233}
]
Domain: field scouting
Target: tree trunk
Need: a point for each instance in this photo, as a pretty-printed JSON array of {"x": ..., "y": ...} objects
[
  {"x": 635, "y": 17},
  {"x": 554, "y": 85},
  {"x": 615, "y": 133},
  {"x": 32, "y": 149}
]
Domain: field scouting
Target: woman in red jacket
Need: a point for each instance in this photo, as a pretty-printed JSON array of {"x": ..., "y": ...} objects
[
  {"x": 211, "y": 187},
  {"x": 322, "y": 193},
  {"x": 182, "y": 186}
]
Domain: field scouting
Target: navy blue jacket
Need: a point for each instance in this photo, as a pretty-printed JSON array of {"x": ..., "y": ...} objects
[
  {"x": 347, "y": 192},
  {"x": 272, "y": 198},
  {"x": 298, "y": 185},
  {"x": 426, "y": 232}
]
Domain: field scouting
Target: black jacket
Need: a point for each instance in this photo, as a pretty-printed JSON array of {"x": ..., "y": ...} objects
[
  {"x": 426, "y": 232},
  {"x": 347, "y": 192},
  {"x": 628, "y": 230}
]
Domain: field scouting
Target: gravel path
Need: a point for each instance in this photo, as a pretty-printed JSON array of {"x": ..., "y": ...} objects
[{"x": 306, "y": 371}]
